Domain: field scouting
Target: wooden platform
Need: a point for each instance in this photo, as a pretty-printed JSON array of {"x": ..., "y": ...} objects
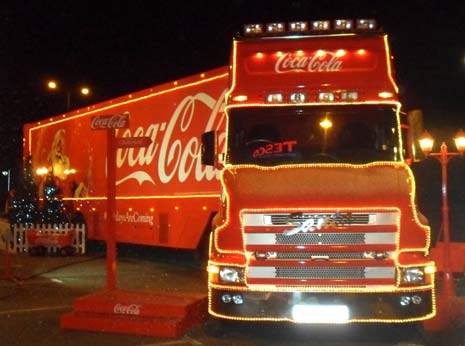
[{"x": 164, "y": 314}]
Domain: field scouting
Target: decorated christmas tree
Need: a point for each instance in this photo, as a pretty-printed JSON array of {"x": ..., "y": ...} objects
[
  {"x": 53, "y": 210},
  {"x": 25, "y": 208}
]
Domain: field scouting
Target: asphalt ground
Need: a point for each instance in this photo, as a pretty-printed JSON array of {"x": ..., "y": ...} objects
[{"x": 36, "y": 291}]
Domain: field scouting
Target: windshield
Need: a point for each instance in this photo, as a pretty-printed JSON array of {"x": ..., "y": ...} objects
[{"x": 346, "y": 134}]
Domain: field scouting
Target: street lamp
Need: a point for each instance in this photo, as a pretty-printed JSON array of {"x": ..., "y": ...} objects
[
  {"x": 426, "y": 142},
  {"x": 53, "y": 85},
  {"x": 7, "y": 173}
]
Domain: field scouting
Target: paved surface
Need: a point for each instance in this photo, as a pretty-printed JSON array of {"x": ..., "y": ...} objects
[{"x": 40, "y": 289}]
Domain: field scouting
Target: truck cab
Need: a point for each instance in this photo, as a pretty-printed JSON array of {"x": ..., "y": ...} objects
[{"x": 318, "y": 221}]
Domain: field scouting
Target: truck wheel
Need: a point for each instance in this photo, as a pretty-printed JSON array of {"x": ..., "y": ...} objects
[
  {"x": 32, "y": 251},
  {"x": 70, "y": 251},
  {"x": 202, "y": 252},
  {"x": 41, "y": 250}
]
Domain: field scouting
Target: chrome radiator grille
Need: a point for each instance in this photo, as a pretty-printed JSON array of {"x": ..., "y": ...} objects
[
  {"x": 347, "y": 218},
  {"x": 321, "y": 239},
  {"x": 319, "y": 255},
  {"x": 285, "y": 240},
  {"x": 321, "y": 273}
]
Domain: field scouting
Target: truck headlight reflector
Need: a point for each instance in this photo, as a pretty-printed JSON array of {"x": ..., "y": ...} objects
[
  {"x": 231, "y": 275},
  {"x": 413, "y": 276}
]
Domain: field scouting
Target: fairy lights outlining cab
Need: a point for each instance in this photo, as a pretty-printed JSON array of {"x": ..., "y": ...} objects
[{"x": 318, "y": 221}]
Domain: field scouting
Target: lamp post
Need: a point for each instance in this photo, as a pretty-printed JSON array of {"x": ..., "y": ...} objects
[
  {"x": 7, "y": 173},
  {"x": 53, "y": 85},
  {"x": 426, "y": 144}
]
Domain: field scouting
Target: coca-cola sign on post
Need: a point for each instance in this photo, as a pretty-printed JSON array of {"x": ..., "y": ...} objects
[
  {"x": 112, "y": 121},
  {"x": 131, "y": 309}
]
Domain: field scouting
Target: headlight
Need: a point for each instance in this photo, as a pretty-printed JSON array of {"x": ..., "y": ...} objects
[
  {"x": 231, "y": 274},
  {"x": 413, "y": 276}
]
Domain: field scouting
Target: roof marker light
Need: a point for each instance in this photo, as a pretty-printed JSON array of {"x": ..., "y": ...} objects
[
  {"x": 320, "y": 25},
  {"x": 366, "y": 24},
  {"x": 253, "y": 29},
  {"x": 298, "y": 26},
  {"x": 343, "y": 24},
  {"x": 275, "y": 27}
]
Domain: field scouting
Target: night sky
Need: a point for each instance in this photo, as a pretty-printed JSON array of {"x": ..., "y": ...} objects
[{"x": 120, "y": 48}]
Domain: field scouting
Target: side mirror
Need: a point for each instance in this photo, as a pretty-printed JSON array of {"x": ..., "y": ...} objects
[{"x": 209, "y": 148}]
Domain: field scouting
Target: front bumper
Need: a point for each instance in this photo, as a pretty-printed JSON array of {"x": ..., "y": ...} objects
[{"x": 362, "y": 307}]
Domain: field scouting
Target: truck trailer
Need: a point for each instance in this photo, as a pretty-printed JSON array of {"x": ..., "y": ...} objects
[{"x": 164, "y": 195}]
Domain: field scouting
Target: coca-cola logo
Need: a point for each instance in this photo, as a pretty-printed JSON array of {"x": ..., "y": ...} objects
[
  {"x": 321, "y": 61},
  {"x": 113, "y": 121},
  {"x": 132, "y": 309},
  {"x": 175, "y": 148}
]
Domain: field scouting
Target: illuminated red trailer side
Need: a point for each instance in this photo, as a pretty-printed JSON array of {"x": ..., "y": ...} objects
[{"x": 164, "y": 196}]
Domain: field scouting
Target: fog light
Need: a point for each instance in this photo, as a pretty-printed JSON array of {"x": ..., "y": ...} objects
[
  {"x": 404, "y": 301},
  {"x": 416, "y": 300},
  {"x": 238, "y": 299},
  {"x": 226, "y": 298}
]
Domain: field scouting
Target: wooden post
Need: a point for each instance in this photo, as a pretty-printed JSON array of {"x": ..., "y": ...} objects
[{"x": 111, "y": 207}]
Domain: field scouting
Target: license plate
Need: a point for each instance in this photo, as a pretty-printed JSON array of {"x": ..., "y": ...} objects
[{"x": 305, "y": 313}]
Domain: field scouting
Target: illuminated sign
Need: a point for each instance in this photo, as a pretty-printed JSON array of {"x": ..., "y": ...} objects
[
  {"x": 113, "y": 121},
  {"x": 313, "y": 61},
  {"x": 275, "y": 148}
]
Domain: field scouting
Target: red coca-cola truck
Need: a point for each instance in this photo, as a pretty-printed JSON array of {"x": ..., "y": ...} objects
[
  {"x": 296, "y": 158},
  {"x": 318, "y": 220},
  {"x": 164, "y": 195}
]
